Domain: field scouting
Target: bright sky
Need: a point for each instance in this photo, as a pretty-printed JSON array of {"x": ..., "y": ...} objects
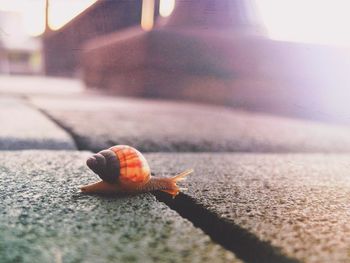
[
  {"x": 311, "y": 21},
  {"x": 33, "y": 12}
]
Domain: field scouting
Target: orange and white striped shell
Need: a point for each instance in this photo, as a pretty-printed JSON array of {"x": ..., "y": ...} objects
[
  {"x": 121, "y": 164},
  {"x": 134, "y": 169}
]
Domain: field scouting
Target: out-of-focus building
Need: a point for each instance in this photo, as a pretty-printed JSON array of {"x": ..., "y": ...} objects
[
  {"x": 63, "y": 47},
  {"x": 19, "y": 53},
  {"x": 195, "y": 53}
]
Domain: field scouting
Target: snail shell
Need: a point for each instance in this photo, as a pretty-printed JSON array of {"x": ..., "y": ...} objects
[
  {"x": 121, "y": 164},
  {"x": 124, "y": 169}
]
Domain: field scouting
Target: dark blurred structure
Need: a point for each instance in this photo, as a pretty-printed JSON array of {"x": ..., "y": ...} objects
[
  {"x": 62, "y": 48},
  {"x": 190, "y": 55}
]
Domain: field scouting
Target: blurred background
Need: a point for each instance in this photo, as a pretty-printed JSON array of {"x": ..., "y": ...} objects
[{"x": 286, "y": 57}]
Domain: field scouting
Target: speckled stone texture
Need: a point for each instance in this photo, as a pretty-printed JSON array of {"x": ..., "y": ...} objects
[
  {"x": 44, "y": 218},
  {"x": 23, "y": 127},
  {"x": 149, "y": 125},
  {"x": 299, "y": 203}
]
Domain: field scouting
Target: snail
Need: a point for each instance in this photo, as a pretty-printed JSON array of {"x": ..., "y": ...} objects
[{"x": 123, "y": 169}]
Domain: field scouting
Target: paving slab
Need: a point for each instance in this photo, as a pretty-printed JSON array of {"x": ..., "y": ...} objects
[
  {"x": 44, "y": 218},
  {"x": 24, "y": 127},
  {"x": 153, "y": 125},
  {"x": 298, "y": 203},
  {"x": 37, "y": 85}
]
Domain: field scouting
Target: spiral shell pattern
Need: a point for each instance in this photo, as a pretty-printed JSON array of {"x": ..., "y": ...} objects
[{"x": 134, "y": 169}]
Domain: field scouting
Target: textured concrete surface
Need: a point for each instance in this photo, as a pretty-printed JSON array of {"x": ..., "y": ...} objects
[
  {"x": 44, "y": 218},
  {"x": 298, "y": 203},
  {"x": 99, "y": 122},
  {"x": 23, "y": 127}
]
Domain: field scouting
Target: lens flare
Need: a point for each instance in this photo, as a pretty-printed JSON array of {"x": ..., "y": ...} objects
[
  {"x": 309, "y": 21},
  {"x": 166, "y": 7}
]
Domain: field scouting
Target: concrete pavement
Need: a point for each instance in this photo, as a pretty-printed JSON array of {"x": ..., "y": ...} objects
[
  {"x": 23, "y": 127},
  {"x": 97, "y": 122},
  {"x": 44, "y": 218},
  {"x": 21, "y": 85},
  {"x": 298, "y": 203},
  {"x": 286, "y": 200}
]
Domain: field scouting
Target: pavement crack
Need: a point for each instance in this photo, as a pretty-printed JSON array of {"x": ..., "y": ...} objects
[
  {"x": 240, "y": 241},
  {"x": 76, "y": 140}
]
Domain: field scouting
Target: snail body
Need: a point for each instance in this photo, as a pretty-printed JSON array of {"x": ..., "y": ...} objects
[{"x": 123, "y": 169}]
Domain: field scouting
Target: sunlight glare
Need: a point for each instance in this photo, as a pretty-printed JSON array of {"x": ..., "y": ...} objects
[
  {"x": 63, "y": 11},
  {"x": 31, "y": 13},
  {"x": 147, "y": 15},
  {"x": 166, "y": 7},
  {"x": 309, "y": 21}
]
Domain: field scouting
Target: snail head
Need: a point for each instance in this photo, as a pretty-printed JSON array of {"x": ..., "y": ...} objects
[{"x": 106, "y": 165}]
